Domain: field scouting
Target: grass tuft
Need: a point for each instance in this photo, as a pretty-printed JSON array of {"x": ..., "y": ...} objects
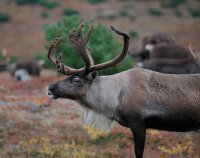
[
  {"x": 178, "y": 13},
  {"x": 96, "y": 1},
  {"x": 70, "y": 11},
  {"x": 194, "y": 12},
  {"x": 172, "y": 3},
  {"x": 4, "y": 17},
  {"x": 155, "y": 12}
]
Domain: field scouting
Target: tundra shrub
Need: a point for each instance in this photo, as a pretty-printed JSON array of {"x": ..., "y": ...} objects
[
  {"x": 172, "y": 3},
  {"x": 48, "y": 4},
  {"x": 2, "y": 57},
  {"x": 104, "y": 44},
  {"x": 96, "y": 1},
  {"x": 155, "y": 12},
  {"x": 194, "y": 12},
  {"x": 43, "y": 57},
  {"x": 21, "y": 2},
  {"x": 70, "y": 11},
  {"x": 12, "y": 59},
  {"x": 43, "y": 3},
  {"x": 4, "y": 17}
]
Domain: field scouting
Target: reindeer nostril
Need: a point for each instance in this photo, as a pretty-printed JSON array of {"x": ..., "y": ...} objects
[{"x": 52, "y": 88}]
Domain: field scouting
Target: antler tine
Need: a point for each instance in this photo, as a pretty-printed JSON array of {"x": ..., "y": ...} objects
[
  {"x": 194, "y": 57},
  {"x": 70, "y": 36},
  {"x": 79, "y": 30},
  {"x": 119, "y": 58},
  {"x": 192, "y": 52},
  {"x": 87, "y": 37},
  {"x": 61, "y": 68},
  {"x": 66, "y": 70},
  {"x": 52, "y": 48},
  {"x": 90, "y": 56},
  {"x": 79, "y": 44}
]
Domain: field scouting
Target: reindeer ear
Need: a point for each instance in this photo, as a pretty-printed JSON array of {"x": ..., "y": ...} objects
[{"x": 92, "y": 75}]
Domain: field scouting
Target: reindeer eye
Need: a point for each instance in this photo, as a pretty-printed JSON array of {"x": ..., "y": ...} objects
[{"x": 76, "y": 79}]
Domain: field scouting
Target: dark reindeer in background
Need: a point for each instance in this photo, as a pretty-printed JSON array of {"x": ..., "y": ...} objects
[
  {"x": 22, "y": 70},
  {"x": 159, "y": 53},
  {"x": 138, "y": 99},
  {"x": 32, "y": 67},
  {"x": 141, "y": 50}
]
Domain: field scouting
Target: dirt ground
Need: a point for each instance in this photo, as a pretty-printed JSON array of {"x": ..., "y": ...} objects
[{"x": 34, "y": 126}]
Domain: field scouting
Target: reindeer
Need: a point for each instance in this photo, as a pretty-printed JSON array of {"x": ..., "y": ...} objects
[
  {"x": 141, "y": 50},
  {"x": 138, "y": 99},
  {"x": 159, "y": 53},
  {"x": 185, "y": 62},
  {"x": 31, "y": 67}
]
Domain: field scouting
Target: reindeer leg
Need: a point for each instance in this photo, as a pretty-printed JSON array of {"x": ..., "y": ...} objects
[{"x": 139, "y": 135}]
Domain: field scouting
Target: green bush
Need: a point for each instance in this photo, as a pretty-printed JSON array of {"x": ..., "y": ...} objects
[
  {"x": 47, "y": 63},
  {"x": 4, "y": 17},
  {"x": 103, "y": 43},
  {"x": 44, "y": 15},
  {"x": 194, "y": 12},
  {"x": 178, "y": 13},
  {"x": 44, "y": 3},
  {"x": 96, "y": 1},
  {"x": 155, "y": 12},
  {"x": 124, "y": 13},
  {"x": 48, "y": 5},
  {"x": 12, "y": 59},
  {"x": 21, "y": 2},
  {"x": 2, "y": 57},
  {"x": 172, "y": 3},
  {"x": 112, "y": 16},
  {"x": 70, "y": 11}
]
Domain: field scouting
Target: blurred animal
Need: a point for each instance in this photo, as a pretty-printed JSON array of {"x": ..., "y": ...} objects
[
  {"x": 171, "y": 59},
  {"x": 138, "y": 98},
  {"x": 33, "y": 68},
  {"x": 160, "y": 53},
  {"x": 22, "y": 75},
  {"x": 141, "y": 50}
]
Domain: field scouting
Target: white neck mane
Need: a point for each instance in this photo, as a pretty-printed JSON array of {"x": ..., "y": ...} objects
[{"x": 102, "y": 100}]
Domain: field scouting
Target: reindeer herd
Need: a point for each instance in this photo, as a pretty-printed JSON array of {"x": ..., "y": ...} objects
[{"x": 161, "y": 92}]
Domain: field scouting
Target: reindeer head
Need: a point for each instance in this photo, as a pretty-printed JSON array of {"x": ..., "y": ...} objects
[{"x": 78, "y": 80}]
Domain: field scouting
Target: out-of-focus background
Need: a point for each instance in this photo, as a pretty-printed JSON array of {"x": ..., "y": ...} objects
[{"x": 31, "y": 124}]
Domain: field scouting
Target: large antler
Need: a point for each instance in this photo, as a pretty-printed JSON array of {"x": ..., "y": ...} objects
[
  {"x": 66, "y": 70},
  {"x": 117, "y": 59},
  {"x": 79, "y": 44}
]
